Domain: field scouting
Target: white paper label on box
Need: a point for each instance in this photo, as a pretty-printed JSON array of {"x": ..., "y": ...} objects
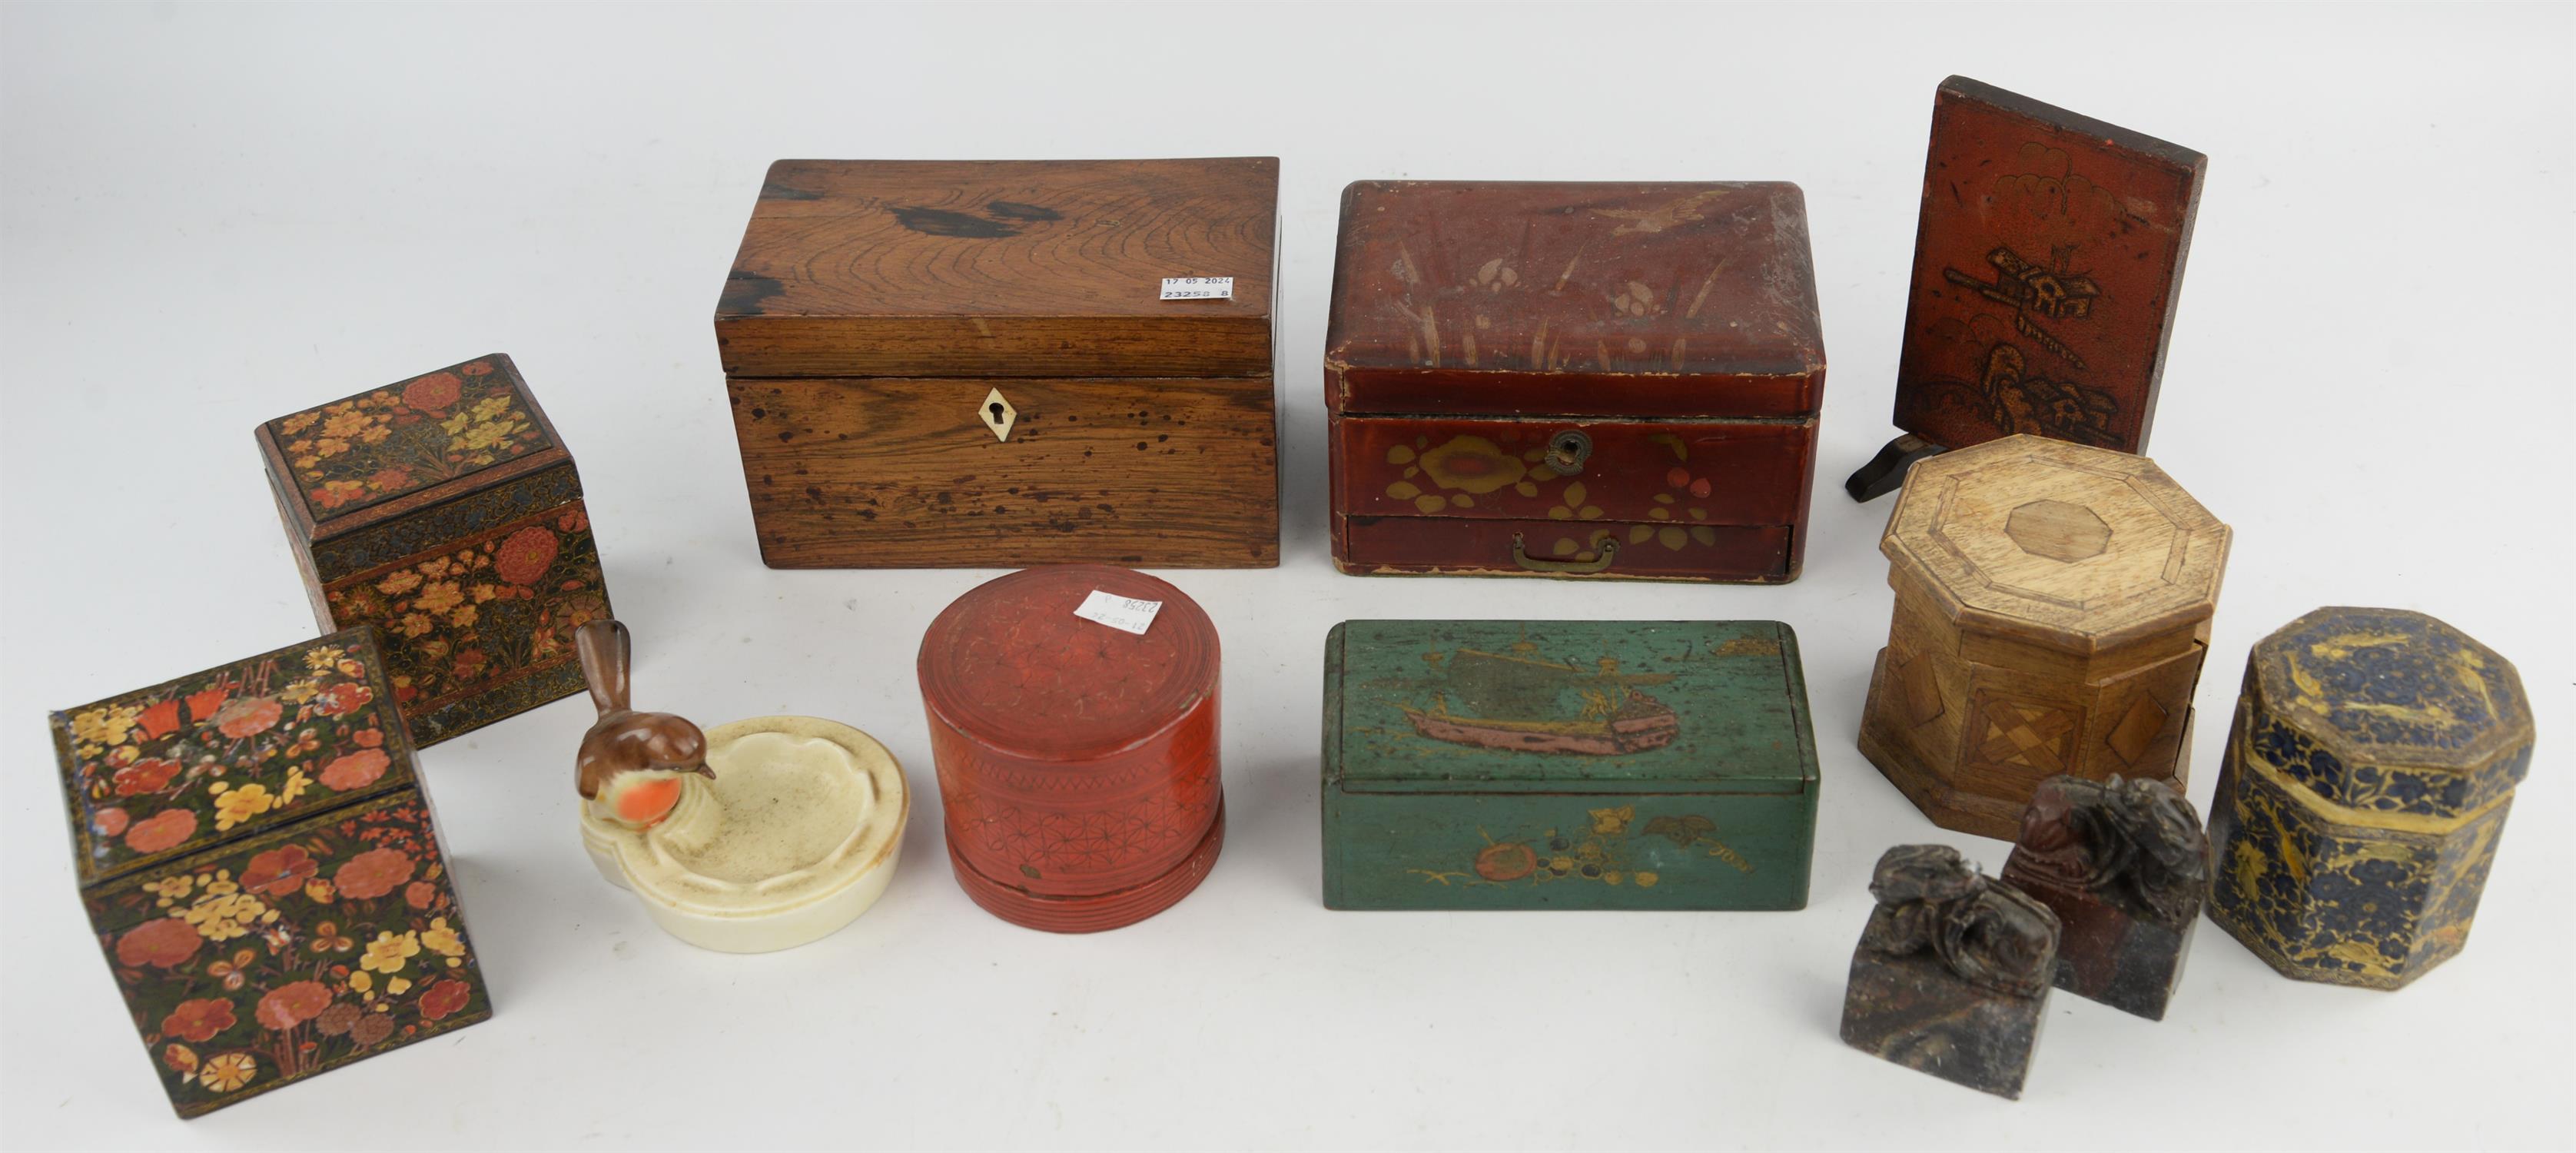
[
  {"x": 1127, "y": 613},
  {"x": 1198, "y": 288}
]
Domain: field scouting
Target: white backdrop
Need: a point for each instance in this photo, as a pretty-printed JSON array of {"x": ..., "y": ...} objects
[{"x": 215, "y": 217}]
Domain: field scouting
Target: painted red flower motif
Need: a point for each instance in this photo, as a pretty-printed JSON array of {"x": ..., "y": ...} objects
[
  {"x": 355, "y": 770},
  {"x": 199, "y": 1020},
  {"x": 478, "y": 368},
  {"x": 368, "y": 738},
  {"x": 443, "y": 998},
  {"x": 248, "y": 717},
  {"x": 203, "y": 703},
  {"x": 110, "y": 821},
  {"x": 343, "y": 699},
  {"x": 574, "y": 519},
  {"x": 287, "y": 1006},
  {"x": 158, "y": 720},
  {"x": 145, "y": 776},
  {"x": 373, "y": 873},
  {"x": 420, "y": 894},
  {"x": 433, "y": 392},
  {"x": 164, "y": 941},
  {"x": 395, "y": 477},
  {"x": 1507, "y": 861},
  {"x": 524, "y": 557},
  {"x": 161, "y": 830},
  {"x": 280, "y": 871}
]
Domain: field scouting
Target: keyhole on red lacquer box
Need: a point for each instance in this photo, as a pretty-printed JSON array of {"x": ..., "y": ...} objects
[{"x": 998, "y": 414}]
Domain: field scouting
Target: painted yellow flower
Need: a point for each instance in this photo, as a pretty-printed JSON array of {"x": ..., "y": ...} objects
[
  {"x": 225, "y": 1072},
  {"x": 396, "y": 986},
  {"x": 456, "y": 424},
  {"x": 106, "y": 725},
  {"x": 491, "y": 407},
  {"x": 485, "y": 592},
  {"x": 1647, "y": 880},
  {"x": 235, "y": 806},
  {"x": 463, "y": 616},
  {"x": 330, "y": 446},
  {"x": 434, "y": 568},
  {"x": 299, "y": 422},
  {"x": 348, "y": 424},
  {"x": 319, "y": 891},
  {"x": 483, "y": 436},
  {"x": 292, "y": 788},
  {"x": 323, "y": 658},
  {"x": 1472, "y": 464},
  {"x": 415, "y": 624},
  {"x": 441, "y": 939},
  {"x": 438, "y": 597},
  {"x": 226, "y": 917},
  {"x": 388, "y": 953},
  {"x": 299, "y": 692},
  {"x": 222, "y": 884},
  {"x": 361, "y": 982},
  {"x": 172, "y": 889},
  {"x": 398, "y": 582}
]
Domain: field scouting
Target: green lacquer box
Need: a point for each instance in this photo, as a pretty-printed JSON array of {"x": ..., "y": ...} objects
[{"x": 1566, "y": 765}]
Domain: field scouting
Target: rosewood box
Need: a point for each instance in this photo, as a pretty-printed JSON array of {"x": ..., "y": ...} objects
[
  {"x": 1077, "y": 759},
  {"x": 259, "y": 864},
  {"x": 2374, "y": 756},
  {"x": 1566, "y": 765},
  {"x": 444, "y": 510},
  {"x": 2052, "y": 610},
  {"x": 979, "y": 363},
  {"x": 1589, "y": 380}
]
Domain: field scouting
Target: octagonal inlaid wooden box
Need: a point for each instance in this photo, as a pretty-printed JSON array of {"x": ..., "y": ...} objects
[{"x": 2053, "y": 603}]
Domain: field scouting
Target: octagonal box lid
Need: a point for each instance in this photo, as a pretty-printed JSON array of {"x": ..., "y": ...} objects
[
  {"x": 1691, "y": 299},
  {"x": 2389, "y": 712},
  {"x": 938, "y": 268},
  {"x": 384, "y": 453},
  {"x": 160, "y": 773},
  {"x": 2067, "y": 547}
]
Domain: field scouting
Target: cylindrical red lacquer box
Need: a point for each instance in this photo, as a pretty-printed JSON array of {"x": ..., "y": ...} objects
[{"x": 1077, "y": 761}]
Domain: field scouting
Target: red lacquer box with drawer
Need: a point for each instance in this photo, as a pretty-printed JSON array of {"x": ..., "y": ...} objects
[{"x": 1601, "y": 381}]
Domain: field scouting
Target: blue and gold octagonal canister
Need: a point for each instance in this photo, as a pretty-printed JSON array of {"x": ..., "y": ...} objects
[{"x": 2373, "y": 759}]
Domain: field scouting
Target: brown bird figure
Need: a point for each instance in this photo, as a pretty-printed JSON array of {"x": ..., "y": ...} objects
[{"x": 631, "y": 763}]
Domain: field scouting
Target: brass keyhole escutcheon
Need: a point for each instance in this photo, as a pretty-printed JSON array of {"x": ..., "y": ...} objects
[
  {"x": 998, "y": 415},
  {"x": 1566, "y": 452}
]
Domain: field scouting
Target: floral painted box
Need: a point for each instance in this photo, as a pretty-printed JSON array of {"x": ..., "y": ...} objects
[
  {"x": 262, "y": 872},
  {"x": 444, "y": 510},
  {"x": 1566, "y": 765}
]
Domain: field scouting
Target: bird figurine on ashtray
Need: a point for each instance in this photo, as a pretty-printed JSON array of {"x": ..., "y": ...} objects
[{"x": 758, "y": 835}]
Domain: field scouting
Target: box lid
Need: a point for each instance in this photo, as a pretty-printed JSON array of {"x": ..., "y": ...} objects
[
  {"x": 364, "y": 459},
  {"x": 2389, "y": 712},
  {"x": 1002, "y": 268},
  {"x": 1010, "y": 665},
  {"x": 1661, "y": 299},
  {"x": 2061, "y": 545},
  {"x": 160, "y": 773},
  {"x": 1566, "y": 706}
]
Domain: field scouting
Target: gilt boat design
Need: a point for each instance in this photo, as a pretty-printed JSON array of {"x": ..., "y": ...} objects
[{"x": 1521, "y": 701}]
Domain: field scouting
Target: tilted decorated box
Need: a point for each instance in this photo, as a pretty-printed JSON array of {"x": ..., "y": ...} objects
[
  {"x": 1566, "y": 765},
  {"x": 444, "y": 510},
  {"x": 262, "y": 871},
  {"x": 1602, "y": 381},
  {"x": 981, "y": 363}
]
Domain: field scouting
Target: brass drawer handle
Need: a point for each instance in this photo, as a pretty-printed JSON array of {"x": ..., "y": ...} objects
[
  {"x": 1566, "y": 452},
  {"x": 1520, "y": 556}
]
